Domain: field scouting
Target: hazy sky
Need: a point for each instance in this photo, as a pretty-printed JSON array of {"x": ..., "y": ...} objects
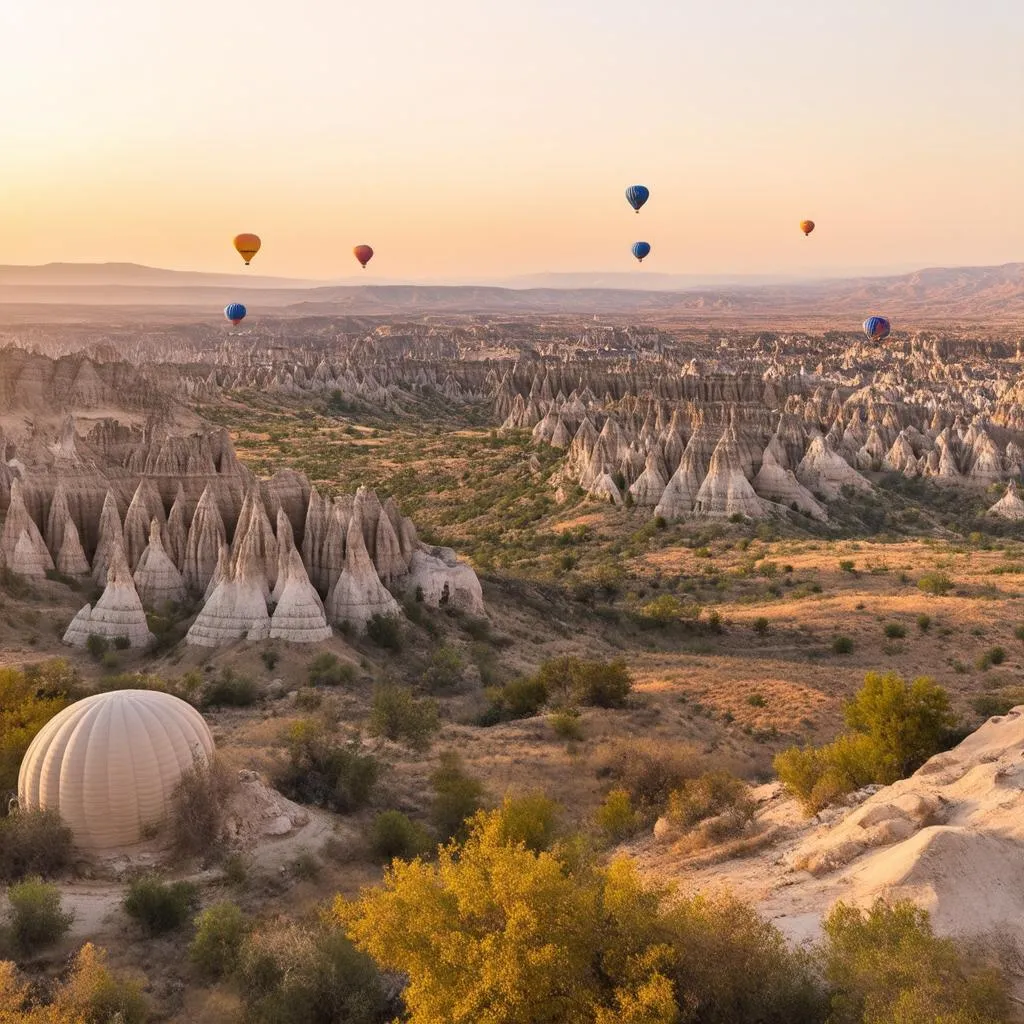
[{"x": 476, "y": 138}]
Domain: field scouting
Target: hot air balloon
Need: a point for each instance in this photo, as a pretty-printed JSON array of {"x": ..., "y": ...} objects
[
  {"x": 235, "y": 312},
  {"x": 637, "y": 195},
  {"x": 641, "y": 249},
  {"x": 364, "y": 254},
  {"x": 877, "y": 328},
  {"x": 807, "y": 226},
  {"x": 247, "y": 246}
]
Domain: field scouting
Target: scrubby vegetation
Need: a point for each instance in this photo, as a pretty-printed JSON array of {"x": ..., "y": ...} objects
[
  {"x": 33, "y": 843},
  {"x": 398, "y": 715},
  {"x": 198, "y": 804},
  {"x": 36, "y": 918},
  {"x": 894, "y": 728},
  {"x": 160, "y": 906}
]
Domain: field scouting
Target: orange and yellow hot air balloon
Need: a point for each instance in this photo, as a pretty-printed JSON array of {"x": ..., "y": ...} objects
[
  {"x": 807, "y": 226},
  {"x": 247, "y": 246},
  {"x": 364, "y": 254}
]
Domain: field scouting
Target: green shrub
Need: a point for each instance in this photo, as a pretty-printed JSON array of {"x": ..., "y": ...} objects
[
  {"x": 667, "y": 609},
  {"x": 385, "y": 631},
  {"x": 28, "y": 700},
  {"x": 97, "y": 645},
  {"x": 291, "y": 974},
  {"x": 895, "y": 728},
  {"x": 160, "y": 906},
  {"x": 394, "y": 835},
  {"x": 520, "y": 698},
  {"x": 566, "y": 724},
  {"x": 33, "y": 843},
  {"x": 530, "y": 819},
  {"x": 924, "y": 622},
  {"x": 326, "y": 771},
  {"x": 270, "y": 658},
  {"x": 989, "y": 704},
  {"x": 457, "y": 796},
  {"x": 761, "y": 625},
  {"x": 231, "y": 690},
  {"x": 327, "y": 669},
  {"x": 895, "y": 630},
  {"x": 616, "y": 817},
  {"x": 36, "y": 917},
  {"x": 846, "y": 565},
  {"x": 444, "y": 673},
  {"x": 399, "y": 716},
  {"x": 842, "y": 645},
  {"x": 935, "y": 583},
  {"x": 220, "y": 931},
  {"x": 886, "y": 966},
  {"x": 756, "y": 700},
  {"x": 570, "y": 680}
]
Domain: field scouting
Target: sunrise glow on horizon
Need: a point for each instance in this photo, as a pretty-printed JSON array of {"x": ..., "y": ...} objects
[{"x": 473, "y": 140}]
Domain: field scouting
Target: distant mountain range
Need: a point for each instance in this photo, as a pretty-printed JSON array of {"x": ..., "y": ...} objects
[{"x": 960, "y": 293}]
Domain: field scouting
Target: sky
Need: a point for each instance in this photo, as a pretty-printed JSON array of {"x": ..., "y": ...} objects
[{"x": 476, "y": 139}]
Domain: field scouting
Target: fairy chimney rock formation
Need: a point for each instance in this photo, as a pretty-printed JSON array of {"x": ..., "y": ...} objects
[{"x": 157, "y": 579}]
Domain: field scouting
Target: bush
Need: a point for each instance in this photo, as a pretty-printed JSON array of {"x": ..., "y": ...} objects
[
  {"x": 290, "y": 974},
  {"x": 668, "y": 609},
  {"x": 649, "y": 771},
  {"x": 36, "y": 918},
  {"x": 936, "y": 583},
  {"x": 33, "y": 843},
  {"x": 270, "y": 658},
  {"x": 924, "y": 622},
  {"x": 566, "y": 724},
  {"x": 530, "y": 819},
  {"x": 895, "y": 728},
  {"x": 714, "y": 793},
  {"x": 220, "y": 931},
  {"x": 328, "y": 670},
  {"x": 444, "y": 673},
  {"x": 846, "y": 565},
  {"x": 394, "y": 835},
  {"x": 324, "y": 771},
  {"x": 993, "y": 656},
  {"x": 520, "y": 698},
  {"x": 895, "y": 630},
  {"x": 570, "y": 680},
  {"x": 457, "y": 796},
  {"x": 616, "y": 817},
  {"x": 842, "y": 645},
  {"x": 1001, "y": 703},
  {"x": 97, "y": 645},
  {"x": 159, "y": 906},
  {"x": 616, "y": 950},
  {"x": 28, "y": 700},
  {"x": 231, "y": 690},
  {"x": 93, "y": 995},
  {"x": 399, "y": 716},
  {"x": 761, "y": 626},
  {"x": 198, "y": 804},
  {"x": 385, "y": 631},
  {"x": 886, "y": 966}
]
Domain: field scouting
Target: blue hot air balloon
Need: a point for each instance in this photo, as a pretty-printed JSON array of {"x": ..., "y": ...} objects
[
  {"x": 877, "y": 328},
  {"x": 235, "y": 312},
  {"x": 637, "y": 195},
  {"x": 641, "y": 249}
]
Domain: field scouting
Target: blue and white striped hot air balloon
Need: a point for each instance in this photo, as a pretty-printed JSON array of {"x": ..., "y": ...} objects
[
  {"x": 637, "y": 195},
  {"x": 877, "y": 328},
  {"x": 235, "y": 312},
  {"x": 641, "y": 249}
]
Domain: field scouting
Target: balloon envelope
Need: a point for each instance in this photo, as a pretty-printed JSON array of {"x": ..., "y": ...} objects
[
  {"x": 364, "y": 254},
  {"x": 247, "y": 246},
  {"x": 807, "y": 226},
  {"x": 641, "y": 249},
  {"x": 637, "y": 195},
  {"x": 877, "y": 328},
  {"x": 235, "y": 312}
]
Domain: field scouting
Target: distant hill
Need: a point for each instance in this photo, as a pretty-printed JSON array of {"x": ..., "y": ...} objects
[{"x": 956, "y": 293}]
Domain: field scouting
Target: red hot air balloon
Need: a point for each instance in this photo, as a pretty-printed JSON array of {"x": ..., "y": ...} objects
[{"x": 364, "y": 254}]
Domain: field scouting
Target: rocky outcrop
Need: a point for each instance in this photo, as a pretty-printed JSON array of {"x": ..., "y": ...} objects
[
  {"x": 438, "y": 578},
  {"x": 1010, "y": 505},
  {"x": 118, "y": 614},
  {"x": 157, "y": 579},
  {"x": 237, "y": 608},
  {"x": 205, "y": 537},
  {"x": 111, "y": 538},
  {"x": 726, "y": 491},
  {"x": 358, "y": 594},
  {"x": 21, "y": 544},
  {"x": 299, "y": 616}
]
